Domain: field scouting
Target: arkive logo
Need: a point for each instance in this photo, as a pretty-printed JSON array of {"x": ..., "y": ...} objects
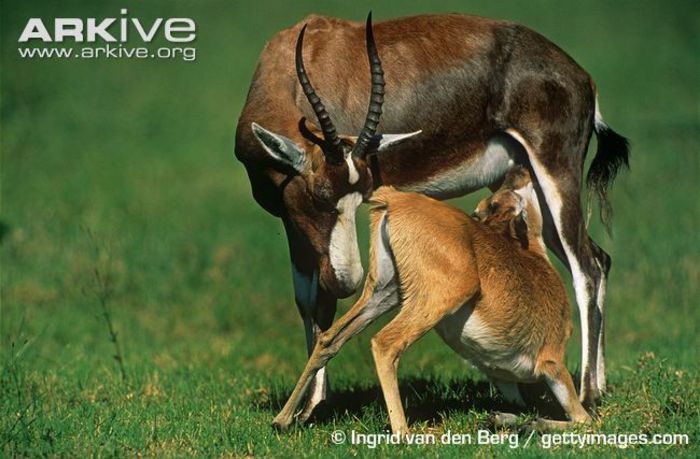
[
  {"x": 121, "y": 37},
  {"x": 109, "y": 30}
]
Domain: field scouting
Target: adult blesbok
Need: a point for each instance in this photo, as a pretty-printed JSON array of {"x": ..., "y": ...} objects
[{"x": 485, "y": 94}]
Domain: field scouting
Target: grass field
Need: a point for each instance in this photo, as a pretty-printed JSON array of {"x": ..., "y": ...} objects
[{"x": 120, "y": 193}]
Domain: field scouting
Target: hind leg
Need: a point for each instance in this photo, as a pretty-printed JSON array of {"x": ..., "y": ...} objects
[
  {"x": 370, "y": 306},
  {"x": 419, "y": 314},
  {"x": 562, "y": 191},
  {"x": 389, "y": 344},
  {"x": 587, "y": 273},
  {"x": 604, "y": 262},
  {"x": 551, "y": 238},
  {"x": 559, "y": 381}
]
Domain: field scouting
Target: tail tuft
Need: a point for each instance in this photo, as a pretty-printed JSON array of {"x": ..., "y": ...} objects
[{"x": 612, "y": 154}]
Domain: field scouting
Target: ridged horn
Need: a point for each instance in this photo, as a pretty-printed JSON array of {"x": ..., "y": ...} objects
[
  {"x": 329, "y": 133},
  {"x": 374, "y": 111}
]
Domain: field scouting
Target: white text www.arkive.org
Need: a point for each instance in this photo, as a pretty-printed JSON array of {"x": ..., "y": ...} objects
[{"x": 109, "y": 52}]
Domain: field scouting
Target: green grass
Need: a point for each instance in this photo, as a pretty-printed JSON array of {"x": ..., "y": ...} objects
[{"x": 125, "y": 168}]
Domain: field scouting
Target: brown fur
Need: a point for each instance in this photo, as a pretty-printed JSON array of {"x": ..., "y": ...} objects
[
  {"x": 446, "y": 258},
  {"x": 464, "y": 81},
  {"x": 448, "y": 265}
]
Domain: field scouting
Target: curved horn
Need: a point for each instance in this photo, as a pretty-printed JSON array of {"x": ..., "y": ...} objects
[
  {"x": 329, "y": 133},
  {"x": 374, "y": 111}
]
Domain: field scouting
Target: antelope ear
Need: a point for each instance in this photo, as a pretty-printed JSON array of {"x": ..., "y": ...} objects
[
  {"x": 386, "y": 141},
  {"x": 381, "y": 142},
  {"x": 519, "y": 228},
  {"x": 282, "y": 149}
]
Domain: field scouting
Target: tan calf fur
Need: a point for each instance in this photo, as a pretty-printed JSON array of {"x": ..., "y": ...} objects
[{"x": 484, "y": 284}]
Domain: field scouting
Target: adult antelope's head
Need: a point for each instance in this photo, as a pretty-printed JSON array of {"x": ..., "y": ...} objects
[{"x": 335, "y": 175}]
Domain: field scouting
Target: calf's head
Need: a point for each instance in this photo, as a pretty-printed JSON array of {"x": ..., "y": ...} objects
[
  {"x": 513, "y": 208},
  {"x": 329, "y": 181}
]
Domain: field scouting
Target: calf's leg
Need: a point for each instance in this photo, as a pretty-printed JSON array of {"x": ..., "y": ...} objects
[
  {"x": 559, "y": 381},
  {"x": 380, "y": 294}
]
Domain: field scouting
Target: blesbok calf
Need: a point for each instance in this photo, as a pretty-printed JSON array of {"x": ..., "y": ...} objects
[
  {"x": 485, "y": 94},
  {"x": 486, "y": 287}
]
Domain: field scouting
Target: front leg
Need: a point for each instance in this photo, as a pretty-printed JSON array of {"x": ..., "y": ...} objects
[
  {"x": 316, "y": 307},
  {"x": 379, "y": 295},
  {"x": 326, "y": 306},
  {"x": 373, "y": 303}
]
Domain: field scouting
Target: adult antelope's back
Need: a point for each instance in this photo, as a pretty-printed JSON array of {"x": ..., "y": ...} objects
[{"x": 485, "y": 94}]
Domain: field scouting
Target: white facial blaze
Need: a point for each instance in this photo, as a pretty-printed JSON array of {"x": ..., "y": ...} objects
[
  {"x": 353, "y": 175},
  {"x": 344, "y": 251}
]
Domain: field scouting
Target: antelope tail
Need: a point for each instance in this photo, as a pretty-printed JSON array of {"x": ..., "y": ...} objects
[{"x": 612, "y": 154}]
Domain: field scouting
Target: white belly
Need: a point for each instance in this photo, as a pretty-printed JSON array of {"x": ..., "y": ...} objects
[
  {"x": 476, "y": 172},
  {"x": 494, "y": 355}
]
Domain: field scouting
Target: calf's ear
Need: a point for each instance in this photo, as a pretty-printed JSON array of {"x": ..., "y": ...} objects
[
  {"x": 280, "y": 148},
  {"x": 519, "y": 228}
]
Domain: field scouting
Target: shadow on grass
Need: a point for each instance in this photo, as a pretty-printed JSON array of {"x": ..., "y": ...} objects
[{"x": 426, "y": 400}]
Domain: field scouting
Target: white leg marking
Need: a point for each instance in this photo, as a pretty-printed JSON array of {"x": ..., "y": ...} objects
[
  {"x": 560, "y": 392},
  {"x": 344, "y": 251},
  {"x": 319, "y": 387},
  {"x": 305, "y": 294},
  {"x": 554, "y": 202},
  {"x": 600, "y": 361},
  {"x": 353, "y": 175}
]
